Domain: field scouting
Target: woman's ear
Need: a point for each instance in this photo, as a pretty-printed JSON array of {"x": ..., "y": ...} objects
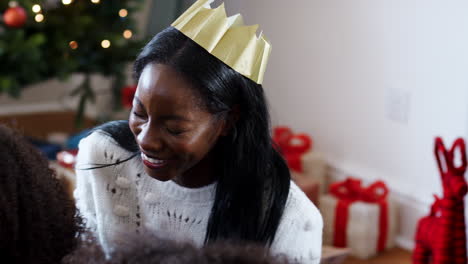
[{"x": 231, "y": 120}]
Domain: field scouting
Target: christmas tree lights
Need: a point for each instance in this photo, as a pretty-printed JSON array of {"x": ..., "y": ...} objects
[{"x": 44, "y": 39}]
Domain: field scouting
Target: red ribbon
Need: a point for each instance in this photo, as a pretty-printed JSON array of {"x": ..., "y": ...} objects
[
  {"x": 292, "y": 146},
  {"x": 350, "y": 191},
  {"x": 127, "y": 94},
  {"x": 67, "y": 158}
]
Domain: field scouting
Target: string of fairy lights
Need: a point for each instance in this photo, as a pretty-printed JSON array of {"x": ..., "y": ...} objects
[{"x": 105, "y": 43}]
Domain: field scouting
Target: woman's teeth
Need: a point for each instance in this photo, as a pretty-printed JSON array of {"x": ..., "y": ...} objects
[{"x": 155, "y": 161}]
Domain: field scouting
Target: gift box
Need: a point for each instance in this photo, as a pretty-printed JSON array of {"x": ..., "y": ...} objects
[
  {"x": 310, "y": 187},
  {"x": 66, "y": 175},
  {"x": 67, "y": 158},
  {"x": 361, "y": 219},
  {"x": 307, "y": 167},
  {"x": 64, "y": 167},
  {"x": 314, "y": 169},
  {"x": 333, "y": 255}
]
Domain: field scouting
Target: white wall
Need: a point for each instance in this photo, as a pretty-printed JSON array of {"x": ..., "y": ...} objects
[{"x": 334, "y": 64}]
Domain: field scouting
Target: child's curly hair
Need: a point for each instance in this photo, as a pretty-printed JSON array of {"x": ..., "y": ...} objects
[
  {"x": 145, "y": 249},
  {"x": 38, "y": 219}
]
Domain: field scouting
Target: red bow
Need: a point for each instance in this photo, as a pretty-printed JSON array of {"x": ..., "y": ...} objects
[
  {"x": 350, "y": 191},
  {"x": 292, "y": 146},
  {"x": 127, "y": 94},
  {"x": 67, "y": 158}
]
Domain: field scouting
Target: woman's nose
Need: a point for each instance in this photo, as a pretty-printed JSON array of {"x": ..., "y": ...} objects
[{"x": 149, "y": 139}]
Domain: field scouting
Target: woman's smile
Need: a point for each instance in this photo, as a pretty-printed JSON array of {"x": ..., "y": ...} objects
[{"x": 154, "y": 163}]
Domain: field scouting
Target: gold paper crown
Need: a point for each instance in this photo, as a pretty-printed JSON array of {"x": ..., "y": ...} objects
[{"x": 226, "y": 38}]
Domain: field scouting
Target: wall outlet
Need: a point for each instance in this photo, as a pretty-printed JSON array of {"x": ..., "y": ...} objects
[{"x": 397, "y": 105}]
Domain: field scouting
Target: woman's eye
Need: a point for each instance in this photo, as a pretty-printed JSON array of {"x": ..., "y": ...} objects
[
  {"x": 175, "y": 132},
  {"x": 138, "y": 114}
]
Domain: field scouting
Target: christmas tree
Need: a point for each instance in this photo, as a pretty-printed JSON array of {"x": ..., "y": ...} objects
[{"x": 43, "y": 39}]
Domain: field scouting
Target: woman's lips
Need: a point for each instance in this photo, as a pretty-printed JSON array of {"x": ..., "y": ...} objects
[{"x": 153, "y": 163}]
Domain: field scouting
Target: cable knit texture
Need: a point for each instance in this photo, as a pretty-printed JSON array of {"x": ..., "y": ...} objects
[{"x": 120, "y": 199}]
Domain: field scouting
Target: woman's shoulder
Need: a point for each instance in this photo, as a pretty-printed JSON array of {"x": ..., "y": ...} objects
[
  {"x": 299, "y": 235},
  {"x": 106, "y": 142},
  {"x": 299, "y": 207}
]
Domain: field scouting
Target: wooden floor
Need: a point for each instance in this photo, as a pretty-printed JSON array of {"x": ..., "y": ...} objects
[{"x": 392, "y": 256}]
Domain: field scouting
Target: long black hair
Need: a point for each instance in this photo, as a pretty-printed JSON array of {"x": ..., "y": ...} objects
[{"x": 253, "y": 183}]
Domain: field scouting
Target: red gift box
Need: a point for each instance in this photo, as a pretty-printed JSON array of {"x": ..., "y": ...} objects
[
  {"x": 308, "y": 168},
  {"x": 292, "y": 146},
  {"x": 359, "y": 214},
  {"x": 310, "y": 187}
]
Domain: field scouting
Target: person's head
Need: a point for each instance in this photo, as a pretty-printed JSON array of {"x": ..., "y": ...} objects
[
  {"x": 186, "y": 101},
  {"x": 150, "y": 249},
  {"x": 174, "y": 129},
  {"x": 38, "y": 219},
  {"x": 194, "y": 119}
]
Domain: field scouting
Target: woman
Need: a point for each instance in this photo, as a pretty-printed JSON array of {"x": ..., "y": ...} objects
[{"x": 195, "y": 160}]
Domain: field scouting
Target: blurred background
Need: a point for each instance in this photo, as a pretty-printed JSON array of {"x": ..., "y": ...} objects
[
  {"x": 372, "y": 82},
  {"x": 74, "y": 55}
]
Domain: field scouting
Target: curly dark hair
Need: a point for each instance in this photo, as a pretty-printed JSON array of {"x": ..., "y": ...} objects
[
  {"x": 39, "y": 222},
  {"x": 150, "y": 249}
]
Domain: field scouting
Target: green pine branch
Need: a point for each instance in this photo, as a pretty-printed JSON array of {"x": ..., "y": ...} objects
[{"x": 40, "y": 51}]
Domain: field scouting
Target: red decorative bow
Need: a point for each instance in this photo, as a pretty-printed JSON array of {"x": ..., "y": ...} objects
[
  {"x": 67, "y": 158},
  {"x": 292, "y": 146},
  {"x": 127, "y": 94},
  {"x": 350, "y": 191}
]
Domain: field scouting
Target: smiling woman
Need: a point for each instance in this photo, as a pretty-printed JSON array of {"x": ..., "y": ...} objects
[
  {"x": 173, "y": 131},
  {"x": 195, "y": 161}
]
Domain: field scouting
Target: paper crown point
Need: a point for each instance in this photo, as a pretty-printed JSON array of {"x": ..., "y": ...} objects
[{"x": 226, "y": 38}]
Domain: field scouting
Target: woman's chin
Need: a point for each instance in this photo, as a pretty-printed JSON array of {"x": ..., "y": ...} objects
[{"x": 160, "y": 176}]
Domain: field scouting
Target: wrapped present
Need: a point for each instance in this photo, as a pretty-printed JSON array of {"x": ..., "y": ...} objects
[
  {"x": 64, "y": 167},
  {"x": 314, "y": 168},
  {"x": 306, "y": 166},
  {"x": 67, "y": 158},
  {"x": 310, "y": 187},
  {"x": 65, "y": 175},
  {"x": 333, "y": 255},
  {"x": 360, "y": 218}
]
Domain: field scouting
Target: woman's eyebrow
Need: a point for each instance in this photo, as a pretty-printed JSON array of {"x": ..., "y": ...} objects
[{"x": 138, "y": 101}]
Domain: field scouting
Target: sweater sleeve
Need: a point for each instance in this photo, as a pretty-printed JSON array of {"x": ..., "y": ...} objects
[
  {"x": 299, "y": 235},
  {"x": 84, "y": 194},
  {"x": 92, "y": 152},
  {"x": 100, "y": 197}
]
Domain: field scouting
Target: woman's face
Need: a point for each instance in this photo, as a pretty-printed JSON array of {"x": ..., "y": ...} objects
[{"x": 175, "y": 135}]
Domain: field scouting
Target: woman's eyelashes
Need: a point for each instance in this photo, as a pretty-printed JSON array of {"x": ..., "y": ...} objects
[
  {"x": 135, "y": 113},
  {"x": 175, "y": 132},
  {"x": 172, "y": 129}
]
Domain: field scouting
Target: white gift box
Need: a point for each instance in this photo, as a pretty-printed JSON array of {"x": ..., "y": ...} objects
[
  {"x": 333, "y": 255},
  {"x": 314, "y": 169},
  {"x": 362, "y": 230}
]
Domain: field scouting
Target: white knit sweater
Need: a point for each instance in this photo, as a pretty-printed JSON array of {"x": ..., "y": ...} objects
[{"x": 119, "y": 199}]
